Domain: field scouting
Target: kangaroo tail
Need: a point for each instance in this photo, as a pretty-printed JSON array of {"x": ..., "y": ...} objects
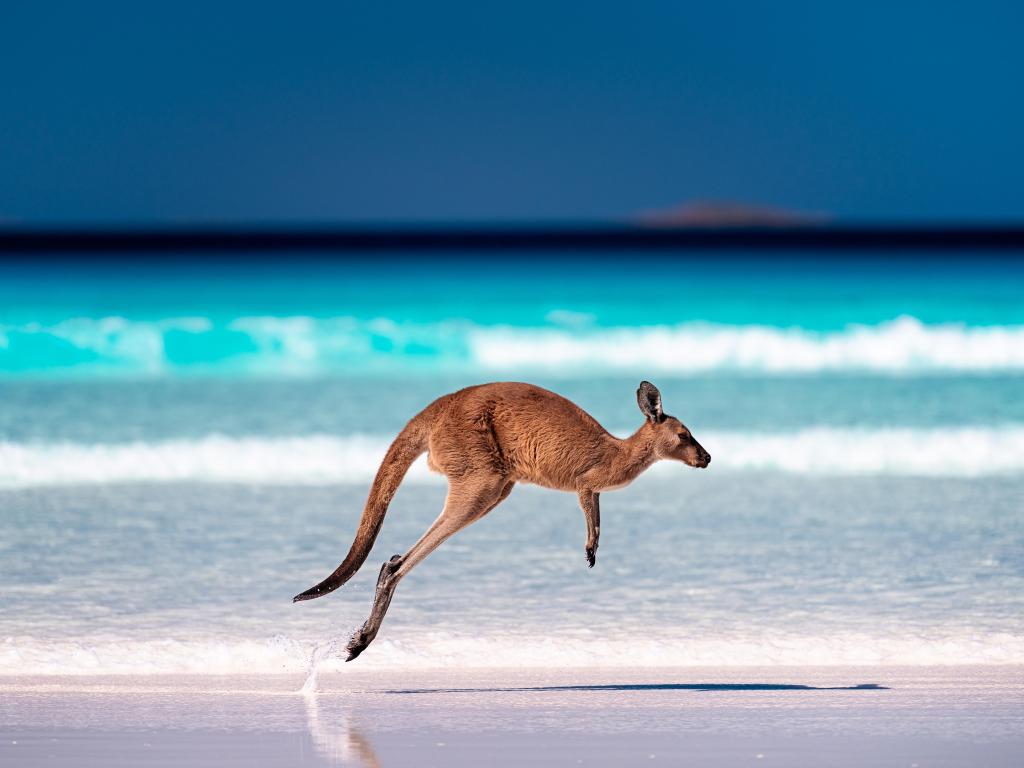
[{"x": 410, "y": 443}]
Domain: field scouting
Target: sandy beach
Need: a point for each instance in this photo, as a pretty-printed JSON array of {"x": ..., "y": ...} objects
[{"x": 877, "y": 716}]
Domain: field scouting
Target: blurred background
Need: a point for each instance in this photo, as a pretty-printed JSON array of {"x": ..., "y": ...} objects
[
  {"x": 247, "y": 114},
  {"x": 176, "y": 418}
]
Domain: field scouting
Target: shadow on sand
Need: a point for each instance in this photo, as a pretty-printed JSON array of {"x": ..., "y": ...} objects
[{"x": 704, "y": 687}]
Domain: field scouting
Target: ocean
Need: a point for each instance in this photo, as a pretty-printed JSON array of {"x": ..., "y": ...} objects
[{"x": 186, "y": 443}]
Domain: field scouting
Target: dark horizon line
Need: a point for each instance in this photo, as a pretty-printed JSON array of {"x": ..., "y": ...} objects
[{"x": 527, "y": 237}]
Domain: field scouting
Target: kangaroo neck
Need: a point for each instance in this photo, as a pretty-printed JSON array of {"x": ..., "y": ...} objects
[{"x": 634, "y": 454}]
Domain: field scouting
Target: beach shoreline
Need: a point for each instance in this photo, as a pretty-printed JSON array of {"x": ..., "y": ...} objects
[{"x": 961, "y": 715}]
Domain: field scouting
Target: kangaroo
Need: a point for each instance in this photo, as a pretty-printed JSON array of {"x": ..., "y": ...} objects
[{"x": 487, "y": 438}]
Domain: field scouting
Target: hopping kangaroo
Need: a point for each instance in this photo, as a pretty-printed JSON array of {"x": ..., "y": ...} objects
[{"x": 486, "y": 439}]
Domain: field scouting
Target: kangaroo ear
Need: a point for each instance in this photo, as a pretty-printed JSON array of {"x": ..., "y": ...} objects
[{"x": 649, "y": 399}]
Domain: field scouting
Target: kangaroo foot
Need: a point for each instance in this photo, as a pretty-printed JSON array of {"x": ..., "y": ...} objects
[
  {"x": 591, "y": 553},
  {"x": 387, "y": 570},
  {"x": 357, "y": 644},
  {"x": 382, "y": 597}
]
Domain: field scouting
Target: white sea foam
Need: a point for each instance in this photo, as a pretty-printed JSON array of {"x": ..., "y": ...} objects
[
  {"x": 427, "y": 648},
  {"x": 310, "y": 460},
  {"x": 943, "y": 451},
  {"x": 901, "y": 345},
  {"x": 290, "y": 346},
  {"x": 325, "y": 459}
]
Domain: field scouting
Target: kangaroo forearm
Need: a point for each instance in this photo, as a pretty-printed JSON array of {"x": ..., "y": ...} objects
[{"x": 590, "y": 504}]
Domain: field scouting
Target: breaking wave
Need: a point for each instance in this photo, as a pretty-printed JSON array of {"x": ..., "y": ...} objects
[
  {"x": 901, "y": 345},
  {"x": 306, "y": 346},
  {"x": 429, "y": 648},
  {"x": 326, "y": 459}
]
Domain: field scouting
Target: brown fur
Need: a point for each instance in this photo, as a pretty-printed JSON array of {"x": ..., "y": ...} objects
[{"x": 487, "y": 438}]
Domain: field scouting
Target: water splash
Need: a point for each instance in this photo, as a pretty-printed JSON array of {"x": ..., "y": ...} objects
[{"x": 322, "y": 651}]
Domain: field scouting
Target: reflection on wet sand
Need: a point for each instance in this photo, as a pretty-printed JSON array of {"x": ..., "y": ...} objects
[{"x": 338, "y": 741}]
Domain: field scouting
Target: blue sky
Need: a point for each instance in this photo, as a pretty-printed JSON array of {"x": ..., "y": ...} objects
[{"x": 327, "y": 112}]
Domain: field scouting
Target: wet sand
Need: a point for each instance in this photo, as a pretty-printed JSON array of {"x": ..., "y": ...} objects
[{"x": 884, "y": 716}]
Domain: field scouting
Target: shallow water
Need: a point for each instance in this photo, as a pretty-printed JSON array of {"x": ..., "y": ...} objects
[
  {"x": 182, "y": 450},
  {"x": 692, "y": 569}
]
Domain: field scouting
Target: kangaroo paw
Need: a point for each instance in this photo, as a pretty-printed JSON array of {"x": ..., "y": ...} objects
[{"x": 591, "y": 553}]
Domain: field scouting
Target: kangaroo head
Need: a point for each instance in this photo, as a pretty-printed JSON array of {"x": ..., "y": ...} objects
[{"x": 672, "y": 440}]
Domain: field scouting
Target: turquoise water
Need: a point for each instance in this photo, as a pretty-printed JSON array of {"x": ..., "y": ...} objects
[
  {"x": 496, "y": 315},
  {"x": 167, "y": 428}
]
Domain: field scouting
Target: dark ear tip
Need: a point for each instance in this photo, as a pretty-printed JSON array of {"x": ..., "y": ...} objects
[
  {"x": 648, "y": 390},
  {"x": 649, "y": 399}
]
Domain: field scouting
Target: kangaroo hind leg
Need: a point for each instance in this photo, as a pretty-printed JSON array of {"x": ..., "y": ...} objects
[{"x": 468, "y": 500}]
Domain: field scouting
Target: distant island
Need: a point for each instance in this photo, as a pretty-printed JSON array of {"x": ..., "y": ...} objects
[{"x": 729, "y": 214}]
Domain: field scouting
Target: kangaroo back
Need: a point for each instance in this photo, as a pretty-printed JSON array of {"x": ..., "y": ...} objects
[{"x": 410, "y": 443}]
